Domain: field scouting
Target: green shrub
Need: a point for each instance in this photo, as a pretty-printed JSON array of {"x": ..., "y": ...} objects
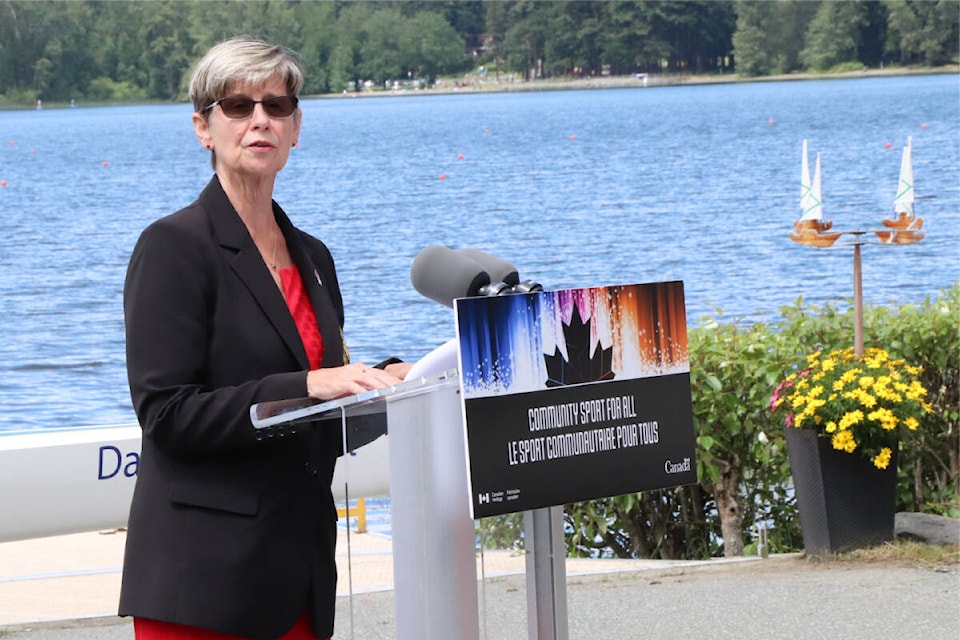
[{"x": 105, "y": 89}]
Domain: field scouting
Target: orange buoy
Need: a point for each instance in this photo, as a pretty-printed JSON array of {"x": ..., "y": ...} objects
[
  {"x": 923, "y": 126},
  {"x": 888, "y": 145},
  {"x": 12, "y": 143},
  {"x": 486, "y": 130},
  {"x": 770, "y": 121},
  {"x": 443, "y": 176},
  {"x": 459, "y": 156},
  {"x": 573, "y": 137},
  {"x": 33, "y": 150},
  {"x": 3, "y": 183},
  {"x": 105, "y": 163}
]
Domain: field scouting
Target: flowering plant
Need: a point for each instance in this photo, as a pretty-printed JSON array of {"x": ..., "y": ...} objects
[{"x": 865, "y": 404}]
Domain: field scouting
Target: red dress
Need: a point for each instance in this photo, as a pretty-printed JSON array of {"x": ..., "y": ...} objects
[{"x": 306, "y": 320}]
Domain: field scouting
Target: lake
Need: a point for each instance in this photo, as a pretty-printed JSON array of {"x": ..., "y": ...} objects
[{"x": 576, "y": 188}]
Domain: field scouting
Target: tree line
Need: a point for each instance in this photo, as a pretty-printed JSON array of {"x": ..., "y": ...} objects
[{"x": 58, "y": 50}]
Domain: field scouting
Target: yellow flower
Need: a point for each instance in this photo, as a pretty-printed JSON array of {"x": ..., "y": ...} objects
[
  {"x": 862, "y": 404},
  {"x": 850, "y": 419},
  {"x": 916, "y": 390},
  {"x": 867, "y": 400},
  {"x": 844, "y": 441},
  {"x": 882, "y": 459},
  {"x": 850, "y": 375},
  {"x": 885, "y": 417}
]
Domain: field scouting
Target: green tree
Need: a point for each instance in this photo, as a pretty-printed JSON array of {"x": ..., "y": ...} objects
[
  {"x": 116, "y": 45},
  {"x": 345, "y": 58},
  {"x": 318, "y": 23},
  {"x": 433, "y": 47},
  {"x": 629, "y": 40},
  {"x": 46, "y": 47},
  {"x": 770, "y": 35},
  {"x": 522, "y": 44},
  {"x": 833, "y": 36},
  {"x": 167, "y": 52},
  {"x": 381, "y": 57},
  {"x": 574, "y": 38},
  {"x": 925, "y": 32}
]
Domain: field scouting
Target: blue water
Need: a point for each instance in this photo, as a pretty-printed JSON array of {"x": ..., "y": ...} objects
[{"x": 578, "y": 188}]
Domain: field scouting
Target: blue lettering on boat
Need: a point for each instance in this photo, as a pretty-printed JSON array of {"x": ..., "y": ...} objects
[{"x": 112, "y": 462}]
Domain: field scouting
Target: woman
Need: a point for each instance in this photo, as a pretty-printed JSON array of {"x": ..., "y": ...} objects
[{"x": 227, "y": 304}]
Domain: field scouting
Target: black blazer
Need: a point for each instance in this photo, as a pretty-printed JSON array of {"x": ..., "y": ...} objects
[{"x": 226, "y": 531}]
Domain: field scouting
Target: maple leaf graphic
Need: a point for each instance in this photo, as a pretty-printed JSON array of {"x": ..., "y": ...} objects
[{"x": 580, "y": 367}]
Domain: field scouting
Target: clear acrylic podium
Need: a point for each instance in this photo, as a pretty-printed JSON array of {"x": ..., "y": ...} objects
[{"x": 434, "y": 539}]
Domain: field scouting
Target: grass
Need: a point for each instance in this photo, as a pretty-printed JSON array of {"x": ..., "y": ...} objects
[{"x": 900, "y": 553}]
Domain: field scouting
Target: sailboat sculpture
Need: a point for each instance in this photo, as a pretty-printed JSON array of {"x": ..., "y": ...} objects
[
  {"x": 905, "y": 228},
  {"x": 811, "y": 229}
]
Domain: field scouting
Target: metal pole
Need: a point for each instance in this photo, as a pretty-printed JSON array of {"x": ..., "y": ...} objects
[
  {"x": 857, "y": 301},
  {"x": 546, "y": 574}
]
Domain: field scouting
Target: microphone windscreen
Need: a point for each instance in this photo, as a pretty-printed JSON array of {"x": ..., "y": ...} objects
[
  {"x": 442, "y": 274},
  {"x": 499, "y": 270}
]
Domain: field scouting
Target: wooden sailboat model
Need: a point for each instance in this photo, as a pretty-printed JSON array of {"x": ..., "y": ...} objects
[
  {"x": 905, "y": 228},
  {"x": 811, "y": 229}
]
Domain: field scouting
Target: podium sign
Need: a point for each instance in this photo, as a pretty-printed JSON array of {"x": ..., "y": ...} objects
[{"x": 575, "y": 395}]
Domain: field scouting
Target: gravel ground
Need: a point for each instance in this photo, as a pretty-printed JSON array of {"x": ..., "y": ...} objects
[{"x": 784, "y": 597}]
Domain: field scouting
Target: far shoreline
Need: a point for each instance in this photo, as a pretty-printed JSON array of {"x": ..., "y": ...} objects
[
  {"x": 473, "y": 85},
  {"x": 493, "y": 85}
]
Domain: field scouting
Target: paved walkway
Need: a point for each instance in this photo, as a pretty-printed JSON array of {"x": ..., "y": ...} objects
[{"x": 66, "y": 588}]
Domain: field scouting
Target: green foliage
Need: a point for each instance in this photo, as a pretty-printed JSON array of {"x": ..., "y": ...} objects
[
  {"x": 770, "y": 35},
  {"x": 57, "y": 48},
  {"x": 105, "y": 89},
  {"x": 847, "y": 67},
  {"x": 833, "y": 36},
  {"x": 923, "y": 31},
  {"x": 501, "y": 532}
]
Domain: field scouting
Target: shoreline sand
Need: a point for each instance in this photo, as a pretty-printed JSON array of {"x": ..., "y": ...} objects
[{"x": 472, "y": 84}]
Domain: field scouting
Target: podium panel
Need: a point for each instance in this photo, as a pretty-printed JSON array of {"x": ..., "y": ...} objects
[
  {"x": 433, "y": 534},
  {"x": 435, "y": 578}
]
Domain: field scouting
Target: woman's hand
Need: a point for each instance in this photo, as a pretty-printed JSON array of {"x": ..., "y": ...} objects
[
  {"x": 349, "y": 380},
  {"x": 399, "y": 369}
]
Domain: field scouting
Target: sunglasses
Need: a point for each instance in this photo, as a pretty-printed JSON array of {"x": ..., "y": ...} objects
[{"x": 242, "y": 106}]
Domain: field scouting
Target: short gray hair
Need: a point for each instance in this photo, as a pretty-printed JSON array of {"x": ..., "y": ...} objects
[{"x": 243, "y": 60}]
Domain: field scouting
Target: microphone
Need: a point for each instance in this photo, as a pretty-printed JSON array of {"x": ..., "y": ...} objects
[
  {"x": 502, "y": 271},
  {"x": 442, "y": 274},
  {"x": 528, "y": 286},
  {"x": 499, "y": 270}
]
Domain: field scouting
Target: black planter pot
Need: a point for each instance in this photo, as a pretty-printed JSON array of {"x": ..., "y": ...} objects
[{"x": 845, "y": 502}]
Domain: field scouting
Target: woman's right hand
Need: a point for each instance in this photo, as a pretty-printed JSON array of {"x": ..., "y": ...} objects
[{"x": 348, "y": 380}]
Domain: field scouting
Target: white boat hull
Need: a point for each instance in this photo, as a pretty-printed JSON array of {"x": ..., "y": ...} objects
[{"x": 60, "y": 481}]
